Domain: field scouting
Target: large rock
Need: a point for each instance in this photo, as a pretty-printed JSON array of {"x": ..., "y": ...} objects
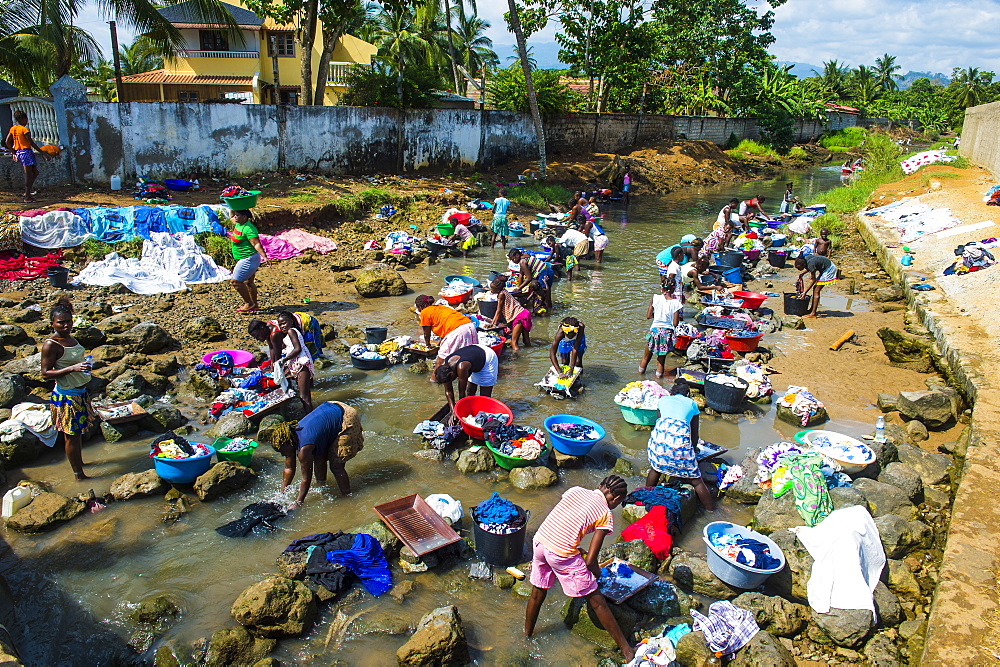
[
  {"x": 886, "y": 452},
  {"x": 439, "y": 640},
  {"x": 118, "y": 432},
  {"x": 887, "y": 402},
  {"x": 845, "y": 627},
  {"x": 145, "y": 338},
  {"x": 846, "y": 496},
  {"x": 20, "y": 446},
  {"x": 532, "y": 477},
  {"x": 204, "y": 329},
  {"x": 916, "y": 431},
  {"x": 276, "y": 607},
  {"x": 127, "y": 386},
  {"x": 792, "y": 580},
  {"x": 203, "y": 385},
  {"x": 222, "y": 478},
  {"x": 881, "y": 651},
  {"x": 901, "y": 579},
  {"x": 470, "y": 462},
  {"x": 692, "y": 651},
  {"x": 745, "y": 490},
  {"x": 933, "y": 468},
  {"x": 374, "y": 282},
  {"x": 11, "y": 334},
  {"x": 887, "y": 294},
  {"x": 906, "y": 351},
  {"x": 168, "y": 416},
  {"x": 905, "y": 478},
  {"x": 391, "y": 544},
  {"x": 230, "y": 426},
  {"x": 660, "y": 598},
  {"x": 29, "y": 364},
  {"x": 90, "y": 337},
  {"x": 890, "y": 613},
  {"x": 11, "y": 390},
  {"x": 45, "y": 512},
  {"x": 691, "y": 571},
  {"x": 933, "y": 408},
  {"x": 885, "y": 499},
  {"x": 775, "y": 614},
  {"x": 118, "y": 324},
  {"x": 138, "y": 485},
  {"x": 900, "y": 537},
  {"x": 581, "y": 619},
  {"x": 236, "y": 646},
  {"x": 265, "y": 432},
  {"x": 786, "y": 415},
  {"x": 773, "y": 514},
  {"x": 763, "y": 650},
  {"x": 634, "y": 552}
]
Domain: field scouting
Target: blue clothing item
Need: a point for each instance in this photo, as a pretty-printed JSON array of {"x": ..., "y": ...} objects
[
  {"x": 365, "y": 559},
  {"x": 206, "y": 220},
  {"x": 500, "y": 206},
  {"x": 677, "y": 632},
  {"x": 677, "y": 407},
  {"x": 547, "y": 276},
  {"x": 180, "y": 219},
  {"x": 321, "y": 427},
  {"x": 112, "y": 225},
  {"x": 566, "y": 345},
  {"x": 149, "y": 219},
  {"x": 495, "y": 510},
  {"x": 659, "y": 495},
  {"x": 762, "y": 558},
  {"x": 664, "y": 256}
]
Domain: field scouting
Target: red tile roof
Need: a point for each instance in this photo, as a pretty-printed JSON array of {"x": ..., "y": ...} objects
[
  {"x": 841, "y": 108},
  {"x": 162, "y": 76}
]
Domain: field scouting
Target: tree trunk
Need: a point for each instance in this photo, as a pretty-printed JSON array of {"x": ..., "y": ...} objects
[
  {"x": 529, "y": 84},
  {"x": 399, "y": 79},
  {"x": 307, "y": 37},
  {"x": 330, "y": 37},
  {"x": 451, "y": 44}
]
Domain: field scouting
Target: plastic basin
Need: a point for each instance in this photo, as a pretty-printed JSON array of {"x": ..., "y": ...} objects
[
  {"x": 240, "y": 357},
  {"x": 751, "y": 255},
  {"x": 369, "y": 364},
  {"x": 446, "y": 229},
  {"x": 242, "y": 457},
  {"x": 456, "y": 299},
  {"x": 177, "y": 184},
  {"x": 566, "y": 445},
  {"x": 511, "y": 462},
  {"x": 516, "y": 233},
  {"x": 473, "y": 405},
  {"x": 640, "y": 416},
  {"x": 244, "y": 203},
  {"x": 465, "y": 279},
  {"x": 751, "y": 300},
  {"x": 743, "y": 343},
  {"x": 778, "y": 243},
  {"x": 498, "y": 348},
  {"x": 183, "y": 471},
  {"x": 731, "y": 572},
  {"x": 865, "y": 455},
  {"x": 376, "y": 335},
  {"x": 682, "y": 342}
]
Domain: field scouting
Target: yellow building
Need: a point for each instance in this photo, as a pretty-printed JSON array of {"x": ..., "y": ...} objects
[{"x": 216, "y": 67}]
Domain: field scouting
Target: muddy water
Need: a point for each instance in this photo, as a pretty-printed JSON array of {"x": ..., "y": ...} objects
[{"x": 108, "y": 561}]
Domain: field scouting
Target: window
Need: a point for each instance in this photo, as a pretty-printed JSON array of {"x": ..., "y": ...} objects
[
  {"x": 187, "y": 96},
  {"x": 213, "y": 40},
  {"x": 283, "y": 44},
  {"x": 290, "y": 97}
]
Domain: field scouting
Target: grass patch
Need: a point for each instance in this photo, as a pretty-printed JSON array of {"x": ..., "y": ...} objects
[
  {"x": 360, "y": 204},
  {"x": 843, "y": 140},
  {"x": 750, "y": 148},
  {"x": 303, "y": 198},
  {"x": 926, "y": 178},
  {"x": 217, "y": 247},
  {"x": 95, "y": 249},
  {"x": 535, "y": 195},
  {"x": 798, "y": 152},
  {"x": 961, "y": 162}
]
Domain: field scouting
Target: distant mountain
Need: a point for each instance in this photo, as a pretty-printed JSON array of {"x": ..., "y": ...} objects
[
  {"x": 911, "y": 76},
  {"x": 802, "y": 70},
  {"x": 546, "y": 54}
]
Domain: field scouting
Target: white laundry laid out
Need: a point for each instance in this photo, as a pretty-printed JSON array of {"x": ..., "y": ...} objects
[
  {"x": 55, "y": 229},
  {"x": 917, "y": 161},
  {"x": 33, "y": 417},
  {"x": 169, "y": 263},
  {"x": 914, "y": 220},
  {"x": 849, "y": 559}
]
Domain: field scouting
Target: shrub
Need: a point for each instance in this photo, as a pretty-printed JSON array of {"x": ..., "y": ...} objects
[
  {"x": 798, "y": 152},
  {"x": 536, "y": 195},
  {"x": 843, "y": 140},
  {"x": 749, "y": 147},
  {"x": 217, "y": 247}
]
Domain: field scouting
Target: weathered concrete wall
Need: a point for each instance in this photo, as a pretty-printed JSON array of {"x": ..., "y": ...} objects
[{"x": 981, "y": 136}]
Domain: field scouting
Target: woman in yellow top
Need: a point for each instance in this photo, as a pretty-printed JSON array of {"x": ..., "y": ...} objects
[
  {"x": 249, "y": 254},
  {"x": 19, "y": 140}
]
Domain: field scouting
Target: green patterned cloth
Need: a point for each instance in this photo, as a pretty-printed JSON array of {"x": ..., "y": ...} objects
[{"x": 801, "y": 473}]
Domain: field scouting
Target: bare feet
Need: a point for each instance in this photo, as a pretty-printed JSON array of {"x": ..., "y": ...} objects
[
  {"x": 247, "y": 309},
  {"x": 810, "y": 316}
]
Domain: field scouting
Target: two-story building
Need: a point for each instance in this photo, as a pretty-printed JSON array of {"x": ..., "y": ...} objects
[{"x": 217, "y": 66}]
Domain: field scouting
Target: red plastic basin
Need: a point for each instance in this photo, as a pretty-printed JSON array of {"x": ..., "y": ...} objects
[
  {"x": 682, "y": 342},
  {"x": 473, "y": 405},
  {"x": 744, "y": 344},
  {"x": 498, "y": 348},
  {"x": 751, "y": 300},
  {"x": 455, "y": 300}
]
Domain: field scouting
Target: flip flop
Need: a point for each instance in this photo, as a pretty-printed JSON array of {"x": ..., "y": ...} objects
[{"x": 245, "y": 309}]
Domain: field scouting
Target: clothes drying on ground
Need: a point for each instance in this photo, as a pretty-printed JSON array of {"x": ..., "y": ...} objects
[
  {"x": 21, "y": 267},
  {"x": 848, "y": 560},
  {"x": 801, "y": 474},
  {"x": 278, "y": 248},
  {"x": 257, "y": 518},
  {"x": 54, "y": 229},
  {"x": 917, "y": 161},
  {"x": 334, "y": 577},
  {"x": 727, "y": 628},
  {"x": 365, "y": 559},
  {"x": 169, "y": 263},
  {"x": 37, "y": 418},
  {"x": 10, "y": 233},
  {"x": 305, "y": 241}
]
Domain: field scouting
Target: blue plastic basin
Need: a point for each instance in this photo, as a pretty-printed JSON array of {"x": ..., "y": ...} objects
[
  {"x": 731, "y": 572},
  {"x": 183, "y": 471},
  {"x": 572, "y": 447},
  {"x": 465, "y": 279}
]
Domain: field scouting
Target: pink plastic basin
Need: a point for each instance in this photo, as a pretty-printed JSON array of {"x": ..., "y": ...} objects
[{"x": 240, "y": 357}]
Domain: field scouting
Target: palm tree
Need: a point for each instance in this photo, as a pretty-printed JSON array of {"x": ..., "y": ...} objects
[
  {"x": 473, "y": 48},
  {"x": 864, "y": 85},
  {"x": 972, "y": 87},
  {"x": 398, "y": 41},
  {"x": 833, "y": 80},
  {"x": 522, "y": 50},
  {"x": 140, "y": 56},
  {"x": 885, "y": 72}
]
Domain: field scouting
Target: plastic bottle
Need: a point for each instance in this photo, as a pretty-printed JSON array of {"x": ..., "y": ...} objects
[
  {"x": 90, "y": 362},
  {"x": 714, "y": 660},
  {"x": 14, "y": 500},
  {"x": 906, "y": 260},
  {"x": 880, "y": 429},
  {"x": 116, "y": 182}
]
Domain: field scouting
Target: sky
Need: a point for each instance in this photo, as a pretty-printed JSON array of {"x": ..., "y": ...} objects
[{"x": 926, "y": 36}]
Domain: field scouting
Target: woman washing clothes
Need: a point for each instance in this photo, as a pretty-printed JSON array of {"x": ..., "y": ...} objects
[
  {"x": 510, "y": 313},
  {"x": 597, "y": 235},
  {"x": 453, "y": 328},
  {"x": 269, "y": 332},
  {"x": 475, "y": 367},
  {"x": 570, "y": 343},
  {"x": 64, "y": 360},
  {"x": 296, "y": 362},
  {"x": 671, "y": 447},
  {"x": 665, "y": 311},
  {"x": 718, "y": 240},
  {"x": 703, "y": 280},
  {"x": 329, "y": 434},
  {"x": 249, "y": 255},
  {"x": 532, "y": 271}
]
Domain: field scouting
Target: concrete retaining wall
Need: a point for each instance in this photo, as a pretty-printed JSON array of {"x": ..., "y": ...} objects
[{"x": 979, "y": 136}]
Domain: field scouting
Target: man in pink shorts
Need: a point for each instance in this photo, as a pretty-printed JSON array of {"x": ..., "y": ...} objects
[{"x": 557, "y": 553}]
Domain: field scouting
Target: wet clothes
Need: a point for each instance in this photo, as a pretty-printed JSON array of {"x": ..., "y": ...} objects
[
  {"x": 365, "y": 559},
  {"x": 660, "y": 495},
  {"x": 334, "y": 577},
  {"x": 257, "y": 518}
]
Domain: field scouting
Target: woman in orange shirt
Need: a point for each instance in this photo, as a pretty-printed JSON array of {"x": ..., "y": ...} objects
[
  {"x": 453, "y": 328},
  {"x": 19, "y": 140}
]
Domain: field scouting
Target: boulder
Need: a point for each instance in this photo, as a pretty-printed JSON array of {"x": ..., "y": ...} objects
[
  {"x": 11, "y": 334},
  {"x": 470, "y": 462},
  {"x": 90, "y": 337},
  {"x": 11, "y": 389},
  {"x": 887, "y": 402},
  {"x": 692, "y": 651},
  {"x": 907, "y": 351},
  {"x": 155, "y": 610},
  {"x": 164, "y": 367},
  {"x": 168, "y": 416},
  {"x": 391, "y": 544},
  {"x": 846, "y": 496},
  {"x": 791, "y": 581},
  {"x": 236, "y": 646},
  {"x": 276, "y": 607},
  {"x": 581, "y": 619},
  {"x": 138, "y": 485},
  {"x": 20, "y": 446},
  {"x": 885, "y": 499},
  {"x": 265, "y": 432},
  {"x": 374, "y": 282},
  {"x": 634, "y": 551},
  {"x": 933, "y": 408},
  {"x": 933, "y": 468},
  {"x": 901, "y": 579},
  {"x": 793, "y": 322},
  {"x": 532, "y": 477},
  {"x": 127, "y": 386},
  {"x": 230, "y": 426},
  {"x": 27, "y": 316},
  {"x": 46, "y": 511},
  {"x": 567, "y": 460},
  {"x": 886, "y": 452},
  {"x": 118, "y": 324},
  {"x": 203, "y": 385},
  {"x": 881, "y": 651},
  {"x": 118, "y": 432},
  {"x": 786, "y": 415},
  {"x": 774, "y": 614},
  {"x": 899, "y": 537},
  {"x": 745, "y": 490},
  {"x": 222, "y": 478},
  {"x": 145, "y": 338},
  {"x": 916, "y": 431},
  {"x": 204, "y": 329},
  {"x": 29, "y": 364},
  {"x": 691, "y": 571},
  {"x": 773, "y": 514},
  {"x": 763, "y": 650},
  {"x": 292, "y": 564},
  {"x": 660, "y": 598},
  {"x": 890, "y": 613},
  {"x": 905, "y": 478},
  {"x": 845, "y": 627},
  {"x": 886, "y": 294},
  {"x": 439, "y": 640}
]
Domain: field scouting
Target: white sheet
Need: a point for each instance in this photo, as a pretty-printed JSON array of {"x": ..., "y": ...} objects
[
  {"x": 55, "y": 229},
  {"x": 37, "y": 418},
  {"x": 169, "y": 263},
  {"x": 849, "y": 559}
]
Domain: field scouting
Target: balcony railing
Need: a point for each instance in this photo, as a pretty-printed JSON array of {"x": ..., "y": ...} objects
[
  {"x": 339, "y": 71},
  {"x": 223, "y": 54}
]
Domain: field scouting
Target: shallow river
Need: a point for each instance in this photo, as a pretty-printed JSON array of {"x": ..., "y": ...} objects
[{"x": 90, "y": 573}]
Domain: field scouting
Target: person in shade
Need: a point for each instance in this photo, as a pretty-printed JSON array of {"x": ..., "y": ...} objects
[
  {"x": 671, "y": 447},
  {"x": 329, "y": 435},
  {"x": 556, "y": 553}
]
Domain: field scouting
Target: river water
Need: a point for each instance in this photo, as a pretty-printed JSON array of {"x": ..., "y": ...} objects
[{"x": 89, "y": 574}]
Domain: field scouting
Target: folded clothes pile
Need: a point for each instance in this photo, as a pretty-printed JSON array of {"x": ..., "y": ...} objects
[
  {"x": 745, "y": 551},
  {"x": 644, "y": 395}
]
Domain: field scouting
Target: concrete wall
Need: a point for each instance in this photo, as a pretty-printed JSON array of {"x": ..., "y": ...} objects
[{"x": 981, "y": 136}]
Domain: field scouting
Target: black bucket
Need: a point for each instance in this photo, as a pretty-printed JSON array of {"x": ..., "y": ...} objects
[
  {"x": 487, "y": 309},
  {"x": 796, "y": 306},
  {"x": 730, "y": 258},
  {"x": 723, "y": 398},
  {"x": 58, "y": 276},
  {"x": 375, "y": 335},
  {"x": 500, "y": 550},
  {"x": 777, "y": 259}
]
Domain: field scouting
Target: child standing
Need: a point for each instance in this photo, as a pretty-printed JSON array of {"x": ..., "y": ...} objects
[
  {"x": 499, "y": 222},
  {"x": 569, "y": 345},
  {"x": 666, "y": 315},
  {"x": 511, "y": 313},
  {"x": 19, "y": 140}
]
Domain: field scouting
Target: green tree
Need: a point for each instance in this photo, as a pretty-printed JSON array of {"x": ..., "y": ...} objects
[
  {"x": 863, "y": 86},
  {"x": 473, "y": 48},
  {"x": 399, "y": 42},
  {"x": 378, "y": 86},
  {"x": 970, "y": 86},
  {"x": 140, "y": 56},
  {"x": 885, "y": 72},
  {"x": 506, "y": 91}
]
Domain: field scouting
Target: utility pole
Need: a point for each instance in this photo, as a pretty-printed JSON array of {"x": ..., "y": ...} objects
[
  {"x": 117, "y": 59},
  {"x": 274, "y": 68}
]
